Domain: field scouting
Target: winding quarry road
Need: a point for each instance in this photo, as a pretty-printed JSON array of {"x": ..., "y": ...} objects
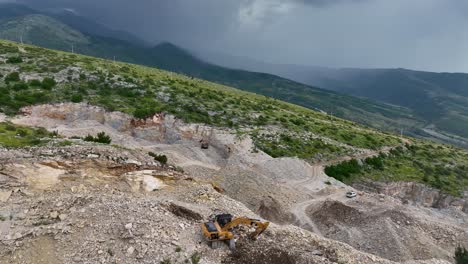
[{"x": 320, "y": 191}]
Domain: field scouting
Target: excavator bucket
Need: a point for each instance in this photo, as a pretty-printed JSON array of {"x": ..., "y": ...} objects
[{"x": 260, "y": 228}]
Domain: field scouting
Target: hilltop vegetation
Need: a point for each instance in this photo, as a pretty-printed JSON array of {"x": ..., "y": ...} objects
[
  {"x": 12, "y": 136},
  {"x": 57, "y": 33},
  {"x": 57, "y": 77},
  {"x": 437, "y": 101},
  {"x": 440, "y": 100},
  {"x": 278, "y": 128},
  {"x": 439, "y": 166}
]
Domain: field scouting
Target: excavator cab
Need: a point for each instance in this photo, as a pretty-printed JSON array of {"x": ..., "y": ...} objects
[
  {"x": 223, "y": 219},
  {"x": 219, "y": 229}
]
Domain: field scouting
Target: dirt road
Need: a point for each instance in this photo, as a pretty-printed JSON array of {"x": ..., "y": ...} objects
[{"x": 321, "y": 191}]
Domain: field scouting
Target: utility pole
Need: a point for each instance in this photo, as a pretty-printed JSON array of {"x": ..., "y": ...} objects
[{"x": 73, "y": 48}]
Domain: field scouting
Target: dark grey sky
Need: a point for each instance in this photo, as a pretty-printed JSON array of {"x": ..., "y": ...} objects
[{"x": 417, "y": 34}]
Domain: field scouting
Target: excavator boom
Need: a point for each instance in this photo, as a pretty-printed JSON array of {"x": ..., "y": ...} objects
[{"x": 259, "y": 225}]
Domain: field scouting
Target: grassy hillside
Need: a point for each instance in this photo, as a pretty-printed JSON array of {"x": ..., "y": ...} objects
[
  {"x": 439, "y": 166},
  {"x": 170, "y": 57},
  {"x": 34, "y": 75},
  {"x": 16, "y": 136},
  {"x": 440, "y": 99},
  {"x": 40, "y": 76},
  {"x": 51, "y": 33}
]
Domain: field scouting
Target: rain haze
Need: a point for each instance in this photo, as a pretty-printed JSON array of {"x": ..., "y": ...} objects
[{"x": 417, "y": 34}]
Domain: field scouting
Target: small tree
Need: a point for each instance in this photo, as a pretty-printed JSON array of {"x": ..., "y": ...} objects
[
  {"x": 76, "y": 98},
  {"x": 461, "y": 255},
  {"x": 48, "y": 83},
  {"x": 19, "y": 86},
  {"x": 35, "y": 83},
  {"x": 12, "y": 77},
  {"x": 101, "y": 138},
  {"x": 143, "y": 112},
  {"x": 89, "y": 138},
  {"x": 14, "y": 60},
  {"x": 161, "y": 158}
]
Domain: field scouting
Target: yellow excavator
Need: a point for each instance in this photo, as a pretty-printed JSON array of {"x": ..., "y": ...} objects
[{"x": 219, "y": 229}]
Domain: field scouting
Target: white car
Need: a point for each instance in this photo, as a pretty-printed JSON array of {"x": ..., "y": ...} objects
[{"x": 351, "y": 194}]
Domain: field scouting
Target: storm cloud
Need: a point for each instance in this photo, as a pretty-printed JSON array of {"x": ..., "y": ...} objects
[{"x": 417, "y": 34}]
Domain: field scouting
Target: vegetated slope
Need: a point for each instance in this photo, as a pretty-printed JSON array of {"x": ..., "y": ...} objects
[
  {"x": 440, "y": 100},
  {"x": 30, "y": 77},
  {"x": 439, "y": 166},
  {"x": 34, "y": 75},
  {"x": 364, "y": 111},
  {"x": 93, "y": 28},
  {"x": 43, "y": 31},
  {"x": 170, "y": 57}
]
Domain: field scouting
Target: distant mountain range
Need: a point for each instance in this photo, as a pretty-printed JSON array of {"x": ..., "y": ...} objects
[
  {"x": 79, "y": 23},
  {"x": 67, "y": 31}
]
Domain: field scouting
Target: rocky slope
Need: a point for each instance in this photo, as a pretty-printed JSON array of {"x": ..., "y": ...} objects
[
  {"x": 285, "y": 191},
  {"x": 418, "y": 194},
  {"x": 89, "y": 203}
]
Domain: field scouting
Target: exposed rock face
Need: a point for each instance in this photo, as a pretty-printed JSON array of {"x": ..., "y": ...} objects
[
  {"x": 73, "y": 119},
  {"x": 419, "y": 194},
  {"x": 93, "y": 215},
  {"x": 127, "y": 189}
]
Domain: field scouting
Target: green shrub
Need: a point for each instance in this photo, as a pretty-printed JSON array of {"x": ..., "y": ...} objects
[
  {"x": 35, "y": 83},
  {"x": 14, "y": 60},
  {"x": 100, "y": 138},
  {"x": 48, "y": 83},
  {"x": 76, "y": 98},
  {"x": 343, "y": 170},
  {"x": 21, "y": 133},
  {"x": 89, "y": 138},
  {"x": 20, "y": 86},
  {"x": 179, "y": 169},
  {"x": 195, "y": 258},
  {"x": 143, "y": 112},
  {"x": 10, "y": 127},
  {"x": 65, "y": 143},
  {"x": 28, "y": 97},
  {"x": 461, "y": 255},
  {"x": 43, "y": 132},
  {"x": 161, "y": 158},
  {"x": 375, "y": 162},
  {"x": 103, "y": 138},
  {"x": 12, "y": 77}
]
